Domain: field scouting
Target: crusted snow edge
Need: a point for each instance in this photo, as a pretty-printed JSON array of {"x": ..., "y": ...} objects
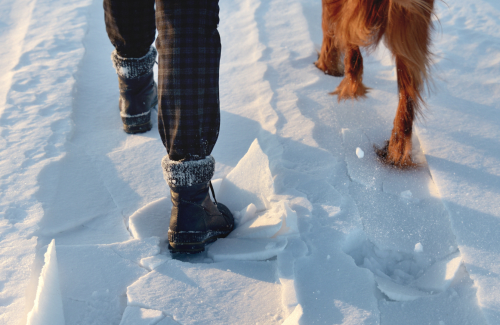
[
  {"x": 131, "y": 68},
  {"x": 187, "y": 173}
]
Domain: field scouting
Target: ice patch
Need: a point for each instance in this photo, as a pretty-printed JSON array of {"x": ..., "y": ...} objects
[
  {"x": 48, "y": 308},
  {"x": 139, "y": 316}
]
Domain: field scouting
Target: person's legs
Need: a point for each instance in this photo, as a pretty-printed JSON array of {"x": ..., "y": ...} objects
[
  {"x": 189, "y": 57},
  {"x": 131, "y": 29},
  {"x": 189, "y": 118}
]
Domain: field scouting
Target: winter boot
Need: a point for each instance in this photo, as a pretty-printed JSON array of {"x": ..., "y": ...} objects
[
  {"x": 195, "y": 220},
  {"x": 138, "y": 90}
]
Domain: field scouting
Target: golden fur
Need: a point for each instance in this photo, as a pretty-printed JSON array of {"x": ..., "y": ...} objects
[{"x": 405, "y": 26}]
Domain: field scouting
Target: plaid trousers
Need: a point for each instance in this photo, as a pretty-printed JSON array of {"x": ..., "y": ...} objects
[{"x": 189, "y": 52}]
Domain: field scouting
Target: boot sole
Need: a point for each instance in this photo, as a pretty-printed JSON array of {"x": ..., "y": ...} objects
[
  {"x": 139, "y": 124},
  {"x": 192, "y": 243},
  {"x": 133, "y": 129}
]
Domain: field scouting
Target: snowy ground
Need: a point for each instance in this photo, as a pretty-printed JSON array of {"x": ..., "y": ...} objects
[{"x": 326, "y": 235}]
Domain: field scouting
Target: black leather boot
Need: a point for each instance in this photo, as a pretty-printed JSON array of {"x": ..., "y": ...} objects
[
  {"x": 138, "y": 90},
  {"x": 195, "y": 220}
]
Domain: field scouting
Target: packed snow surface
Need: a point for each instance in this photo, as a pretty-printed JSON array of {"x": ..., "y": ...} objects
[{"x": 325, "y": 234}]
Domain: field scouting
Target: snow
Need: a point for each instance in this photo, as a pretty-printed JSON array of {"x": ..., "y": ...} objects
[
  {"x": 140, "y": 316},
  {"x": 250, "y": 182},
  {"x": 360, "y": 153},
  {"x": 217, "y": 292},
  {"x": 324, "y": 234},
  {"x": 418, "y": 248},
  {"x": 48, "y": 307}
]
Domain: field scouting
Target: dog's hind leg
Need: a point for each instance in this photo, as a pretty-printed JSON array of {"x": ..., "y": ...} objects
[
  {"x": 329, "y": 58},
  {"x": 397, "y": 151},
  {"x": 352, "y": 87},
  {"x": 408, "y": 38}
]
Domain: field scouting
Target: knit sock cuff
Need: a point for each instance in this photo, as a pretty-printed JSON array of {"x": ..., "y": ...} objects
[
  {"x": 187, "y": 173},
  {"x": 131, "y": 68}
]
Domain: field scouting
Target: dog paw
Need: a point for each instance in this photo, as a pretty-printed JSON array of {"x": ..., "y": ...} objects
[
  {"x": 395, "y": 157},
  {"x": 329, "y": 70}
]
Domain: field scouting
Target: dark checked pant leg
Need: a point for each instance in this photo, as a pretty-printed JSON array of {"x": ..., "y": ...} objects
[
  {"x": 130, "y": 25},
  {"x": 189, "y": 50},
  {"x": 189, "y": 57}
]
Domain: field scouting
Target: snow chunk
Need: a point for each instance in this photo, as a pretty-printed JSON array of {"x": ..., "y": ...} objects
[
  {"x": 295, "y": 316},
  {"x": 438, "y": 277},
  {"x": 245, "y": 249},
  {"x": 246, "y": 214},
  {"x": 419, "y": 248},
  {"x": 360, "y": 153},
  {"x": 250, "y": 181},
  {"x": 362, "y": 171},
  {"x": 48, "y": 308}
]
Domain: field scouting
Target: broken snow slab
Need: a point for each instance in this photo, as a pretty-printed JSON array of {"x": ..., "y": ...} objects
[
  {"x": 140, "y": 316},
  {"x": 249, "y": 182},
  {"x": 439, "y": 276},
  {"x": 245, "y": 249},
  {"x": 279, "y": 220},
  {"x": 230, "y": 292},
  {"x": 457, "y": 305},
  {"x": 151, "y": 220},
  {"x": 397, "y": 291},
  {"x": 48, "y": 307},
  {"x": 94, "y": 279}
]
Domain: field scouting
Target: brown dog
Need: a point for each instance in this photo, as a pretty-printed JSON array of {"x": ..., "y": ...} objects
[{"x": 406, "y": 27}]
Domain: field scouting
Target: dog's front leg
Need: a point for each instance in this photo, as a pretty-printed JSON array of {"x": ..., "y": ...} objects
[{"x": 352, "y": 87}]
